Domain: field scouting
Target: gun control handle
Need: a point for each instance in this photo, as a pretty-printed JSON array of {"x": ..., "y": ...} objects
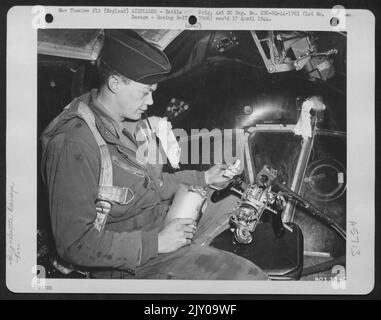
[{"x": 231, "y": 188}]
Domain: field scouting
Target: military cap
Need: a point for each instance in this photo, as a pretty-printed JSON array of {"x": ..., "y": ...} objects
[{"x": 133, "y": 57}]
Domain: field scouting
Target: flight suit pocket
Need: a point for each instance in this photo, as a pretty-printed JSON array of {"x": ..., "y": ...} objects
[
  {"x": 138, "y": 181},
  {"x": 136, "y": 175}
]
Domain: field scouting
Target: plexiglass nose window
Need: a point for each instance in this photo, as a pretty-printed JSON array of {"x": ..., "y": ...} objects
[{"x": 324, "y": 185}]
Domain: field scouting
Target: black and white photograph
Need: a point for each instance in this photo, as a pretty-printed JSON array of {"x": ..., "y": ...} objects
[
  {"x": 284, "y": 215},
  {"x": 200, "y": 155}
]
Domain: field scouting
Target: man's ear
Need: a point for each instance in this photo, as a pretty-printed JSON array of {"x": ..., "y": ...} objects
[{"x": 113, "y": 83}]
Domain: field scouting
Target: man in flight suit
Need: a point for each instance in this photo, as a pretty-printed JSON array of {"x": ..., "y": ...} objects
[{"x": 135, "y": 241}]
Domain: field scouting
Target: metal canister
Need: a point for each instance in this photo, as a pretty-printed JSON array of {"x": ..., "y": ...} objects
[{"x": 187, "y": 203}]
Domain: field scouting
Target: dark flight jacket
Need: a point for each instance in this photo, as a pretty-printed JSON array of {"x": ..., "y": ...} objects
[{"x": 71, "y": 168}]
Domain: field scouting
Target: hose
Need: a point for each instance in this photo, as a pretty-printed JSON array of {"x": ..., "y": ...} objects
[{"x": 314, "y": 212}]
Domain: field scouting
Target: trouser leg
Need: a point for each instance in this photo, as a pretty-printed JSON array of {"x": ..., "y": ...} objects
[
  {"x": 214, "y": 220},
  {"x": 199, "y": 261}
]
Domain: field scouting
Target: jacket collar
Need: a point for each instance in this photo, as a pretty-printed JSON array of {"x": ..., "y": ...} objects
[
  {"x": 112, "y": 129},
  {"x": 108, "y": 120}
]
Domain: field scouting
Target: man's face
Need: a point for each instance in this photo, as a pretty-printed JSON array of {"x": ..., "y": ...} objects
[{"x": 133, "y": 99}]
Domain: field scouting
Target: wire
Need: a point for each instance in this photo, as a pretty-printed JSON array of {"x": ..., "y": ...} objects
[{"x": 315, "y": 212}]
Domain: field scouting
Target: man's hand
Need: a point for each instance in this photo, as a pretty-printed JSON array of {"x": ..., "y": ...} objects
[
  {"x": 222, "y": 173},
  {"x": 178, "y": 233}
]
